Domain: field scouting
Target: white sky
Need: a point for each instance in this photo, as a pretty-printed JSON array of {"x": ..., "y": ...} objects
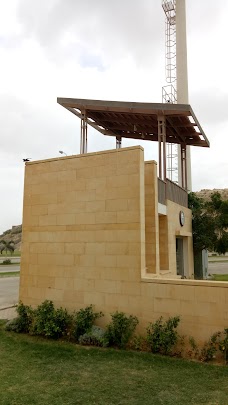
[{"x": 103, "y": 50}]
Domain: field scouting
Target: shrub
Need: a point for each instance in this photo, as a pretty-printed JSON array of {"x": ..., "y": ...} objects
[
  {"x": 139, "y": 343},
  {"x": 162, "y": 336},
  {"x": 179, "y": 349},
  {"x": 94, "y": 337},
  {"x": 121, "y": 329},
  {"x": 24, "y": 318},
  {"x": 50, "y": 322},
  {"x": 13, "y": 325},
  {"x": 83, "y": 321},
  {"x": 209, "y": 349},
  {"x": 223, "y": 345},
  {"x": 6, "y": 261},
  {"x": 193, "y": 352},
  {"x": 21, "y": 324}
]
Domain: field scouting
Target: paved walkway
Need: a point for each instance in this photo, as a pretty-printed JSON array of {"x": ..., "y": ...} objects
[
  {"x": 9, "y": 291},
  {"x": 8, "y": 313}
]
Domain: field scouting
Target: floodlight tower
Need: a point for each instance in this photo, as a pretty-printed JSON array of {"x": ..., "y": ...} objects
[{"x": 176, "y": 90}]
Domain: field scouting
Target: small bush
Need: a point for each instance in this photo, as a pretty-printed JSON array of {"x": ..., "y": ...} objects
[
  {"x": 22, "y": 323},
  {"x": 95, "y": 337},
  {"x": 223, "y": 345},
  {"x": 6, "y": 261},
  {"x": 50, "y": 322},
  {"x": 193, "y": 352},
  {"x": 83, "y": 321},
  {"x": 13, "y": 325},
  {"x": 24, "y": 318},
  {"x": 162, "y": 336},
  {"x": 139, "y": 343},
  {"x": 209, "y": 349},
  {"x": 179, "y": 348},
  {"x": 121, "y": 329}
]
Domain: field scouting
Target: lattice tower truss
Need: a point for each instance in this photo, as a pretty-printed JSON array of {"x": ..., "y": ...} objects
[{"x": 169, "y": 92}]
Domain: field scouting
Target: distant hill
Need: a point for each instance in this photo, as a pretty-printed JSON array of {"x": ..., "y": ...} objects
[
  {"x": 13, "y": 234},
  {"x": 206, "y": 193}
]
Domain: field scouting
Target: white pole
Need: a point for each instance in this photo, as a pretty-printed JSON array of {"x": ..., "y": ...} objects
[{"x": 182, "y": 75}]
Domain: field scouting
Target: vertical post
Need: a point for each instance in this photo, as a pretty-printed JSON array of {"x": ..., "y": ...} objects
[
  {"x": 164, "y": 149},
  {"x": 83, "y": 145},
  {"x": 162, "y": 146},
  {"x": 184, "y": 165},
  {"x": 187, "y": 163},
  {"x": 118, "y": 142},
  {"x": 159, "y": 154}
]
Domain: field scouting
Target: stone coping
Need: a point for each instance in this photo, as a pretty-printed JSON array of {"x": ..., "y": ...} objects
[
  {"x": 186, "y": 282},
  {"x": 80, "y": 155}
]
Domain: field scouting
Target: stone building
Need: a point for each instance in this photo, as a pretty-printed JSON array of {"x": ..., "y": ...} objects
[{"x": 110, "y": 229}]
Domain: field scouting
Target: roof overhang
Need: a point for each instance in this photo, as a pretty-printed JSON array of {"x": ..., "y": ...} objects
[{"x": 139, "y": 120}]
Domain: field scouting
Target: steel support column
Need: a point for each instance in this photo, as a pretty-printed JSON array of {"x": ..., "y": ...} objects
[
  {"x": 118, "y": 142},
  {"x": 162, "y": 147},
  {"x": 83, "y": 145},
  {"x": 184, "y": 165}
]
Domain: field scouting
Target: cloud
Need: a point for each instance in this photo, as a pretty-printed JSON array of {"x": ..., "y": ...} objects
[
  {"x": 112, "y": 50},
  {"x": 212, "y": 104},
  {"x": 116, "y": 29}
]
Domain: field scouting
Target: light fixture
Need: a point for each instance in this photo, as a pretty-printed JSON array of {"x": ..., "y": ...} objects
[{"x": 62, "y": 153}]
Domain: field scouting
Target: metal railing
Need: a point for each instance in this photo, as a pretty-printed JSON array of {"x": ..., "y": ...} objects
[{"x": 171, "y": 191}]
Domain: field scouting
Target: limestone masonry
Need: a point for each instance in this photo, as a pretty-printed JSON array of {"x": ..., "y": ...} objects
[{"x": 95, "y": 232}]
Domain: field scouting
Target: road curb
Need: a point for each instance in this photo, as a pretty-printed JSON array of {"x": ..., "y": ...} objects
[{"x": 11, "y": 306}]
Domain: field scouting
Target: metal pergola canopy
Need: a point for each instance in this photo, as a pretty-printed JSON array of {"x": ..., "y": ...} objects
[{"x": 139, "y": 120}]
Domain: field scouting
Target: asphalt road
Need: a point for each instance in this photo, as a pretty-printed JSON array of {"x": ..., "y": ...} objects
[
  {"x": 10, "y": 268},
  {"x": 9, "y": 291},
  {"x": 218, "y": 268}
]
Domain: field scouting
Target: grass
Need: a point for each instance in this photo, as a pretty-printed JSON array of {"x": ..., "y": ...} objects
[
  {"x": 9, "y": 274},
  {"x": 9, "y": 264},
  {"x": 216, "y": 259},
  {"x": 220, "y": 277},
  {"x": 16, "y": 253},
  {"x": 35, "y": 371}
]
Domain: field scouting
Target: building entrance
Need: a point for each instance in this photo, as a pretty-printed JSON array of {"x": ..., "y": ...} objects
[{"x": 180, "y": 256}]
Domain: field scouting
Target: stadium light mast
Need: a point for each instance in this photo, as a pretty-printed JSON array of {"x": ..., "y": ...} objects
[{"x": 176, "y": 90}]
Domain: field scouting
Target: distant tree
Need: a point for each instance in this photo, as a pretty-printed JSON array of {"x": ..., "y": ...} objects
[
  {"x": 8, "y": 246},
  {"x": 209, "y": 223},
  {"x": 218, "y": 209}
]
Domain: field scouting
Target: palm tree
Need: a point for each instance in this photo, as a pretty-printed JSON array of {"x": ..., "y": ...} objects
[{"x": 8, "y": 246}]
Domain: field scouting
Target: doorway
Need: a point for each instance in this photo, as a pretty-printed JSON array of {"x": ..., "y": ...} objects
[{"x": 180, "y": 256}]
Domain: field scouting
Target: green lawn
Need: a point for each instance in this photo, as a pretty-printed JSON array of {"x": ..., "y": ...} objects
[
  {"x": 16, "y": 253},
  {"x": 38, "y": 372},
  {"x": 9, "y": 264},
  {"x": 216, "y": 259},
  {"x": 220, "y": 277},
  {"x": 9, "y": 274}
]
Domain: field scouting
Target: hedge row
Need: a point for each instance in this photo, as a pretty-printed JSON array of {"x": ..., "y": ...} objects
[{"x": 161, "y": 336}]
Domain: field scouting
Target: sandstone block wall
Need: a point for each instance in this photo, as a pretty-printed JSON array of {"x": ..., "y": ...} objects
[
  {"x": 84, "y": 229},
  {"x": 85, "y": 242}
]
